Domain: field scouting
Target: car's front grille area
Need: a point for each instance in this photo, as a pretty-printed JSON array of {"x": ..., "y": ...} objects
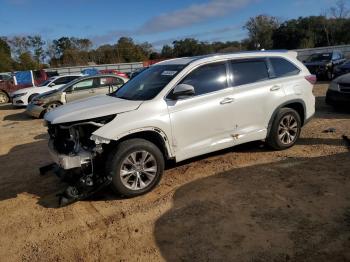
[
  {"x": 344, "y": 87},
  {"x": 62, "y": 140},
  {"x": 67, "y": 140}
]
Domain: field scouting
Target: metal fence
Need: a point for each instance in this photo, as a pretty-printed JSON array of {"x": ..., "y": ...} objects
[
  {"x": 124, "y": 67},
  {"x": 130, "y": 67}
]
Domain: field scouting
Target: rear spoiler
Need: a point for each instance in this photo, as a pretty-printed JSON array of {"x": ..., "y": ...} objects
[{"x": 293, "y": 54}]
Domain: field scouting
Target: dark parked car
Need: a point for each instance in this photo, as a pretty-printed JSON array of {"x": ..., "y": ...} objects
[
  {"x": 322, "y": 64},
  {"x": 338, "y": 94},
  {"x": 342, "y": 69}
]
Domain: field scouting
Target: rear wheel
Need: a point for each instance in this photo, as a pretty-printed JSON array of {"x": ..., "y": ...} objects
[
  {"x": 285, "y": 129},
  {"x": 135, "y": 166},
  {"x": 330, "y": 75},
  {"x": 3, "y": 98}
]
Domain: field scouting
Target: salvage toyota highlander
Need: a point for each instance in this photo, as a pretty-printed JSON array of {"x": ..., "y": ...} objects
[{"x": 176, "y": 110}]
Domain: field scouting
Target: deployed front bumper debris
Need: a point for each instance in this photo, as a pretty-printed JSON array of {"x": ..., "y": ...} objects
[{"x": 79, "y": 186}]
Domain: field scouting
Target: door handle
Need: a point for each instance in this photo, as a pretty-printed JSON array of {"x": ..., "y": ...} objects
[
  {"x": 227, "y": 100},
  {"x": 92, "y": 91},
  {"x": 275, "y": 88}
]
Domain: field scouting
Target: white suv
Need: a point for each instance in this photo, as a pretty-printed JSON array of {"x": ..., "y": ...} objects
[{"x": 179, "y": 109}]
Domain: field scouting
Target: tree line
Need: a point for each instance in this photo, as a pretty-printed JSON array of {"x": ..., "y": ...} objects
[{"x": 264, "y": 32}]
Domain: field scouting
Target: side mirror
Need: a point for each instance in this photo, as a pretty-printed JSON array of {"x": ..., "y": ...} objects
[
  {"x": 182, "y": 90},
  {"x": 52, "y": 84}
]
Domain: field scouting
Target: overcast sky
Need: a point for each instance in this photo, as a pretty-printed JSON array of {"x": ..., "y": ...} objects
[{"x": 155, "y": 21}]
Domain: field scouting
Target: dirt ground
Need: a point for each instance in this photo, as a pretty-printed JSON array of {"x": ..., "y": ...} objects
[{"x": 247, "y": 203}]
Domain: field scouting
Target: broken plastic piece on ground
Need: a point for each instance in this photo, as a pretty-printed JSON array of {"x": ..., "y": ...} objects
[
  {"x": 78, "y": 189},
  {"x": 330, "y": 130}
]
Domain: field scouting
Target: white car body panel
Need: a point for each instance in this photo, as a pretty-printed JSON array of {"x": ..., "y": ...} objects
[
  {"x": 35, "y": 90},
  {"x": 200, "y": 124}
]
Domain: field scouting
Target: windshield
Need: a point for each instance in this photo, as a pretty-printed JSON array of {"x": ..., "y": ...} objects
[
  {"x": 148, "y": 83},
  {"x": 320, "y": 57},
  {"x": 45, "y": 83}
]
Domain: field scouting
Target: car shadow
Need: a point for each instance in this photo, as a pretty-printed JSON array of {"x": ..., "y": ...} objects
[
  {"x": 22, "y": 116},
  {"x": 8, "y": 107},
  {"x": 292, "y": 210}
]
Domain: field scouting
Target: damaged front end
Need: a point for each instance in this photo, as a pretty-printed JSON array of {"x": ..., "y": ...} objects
[{"x": 79, "y": 159}]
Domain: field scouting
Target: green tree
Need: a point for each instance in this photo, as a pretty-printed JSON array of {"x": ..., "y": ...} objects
[
  {"x": 260, "y": 31},
  {"x": 37, "y": 45},
  {"x": 6, "y": 62}
]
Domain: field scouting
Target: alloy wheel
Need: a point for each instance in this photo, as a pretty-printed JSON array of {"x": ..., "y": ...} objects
[
  {"x": 3, "y": 98},
  {"x": 288, "y": 129},
  {"x": 51, "y": 107},
  {"x": 138, "y": 170}
]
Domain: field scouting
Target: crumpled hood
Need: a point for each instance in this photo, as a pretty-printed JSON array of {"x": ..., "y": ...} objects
[{"x": 92, "y": 107}]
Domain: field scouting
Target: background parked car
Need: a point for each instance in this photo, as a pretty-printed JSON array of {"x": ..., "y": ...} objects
[
  {"x": 5, "y": 77},
  {"x": 77, "y": 89},
  {"x": 20, "y": 79},
  {"x": 113, "y": 72},
  {"x": 342, "y": 69},
  {"x": 23, "y": 96},
  {"x": 338, "y": 94},
  {"x": 322, "y": 64}
]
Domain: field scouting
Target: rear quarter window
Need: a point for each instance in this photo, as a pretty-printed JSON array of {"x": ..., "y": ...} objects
[
  {"x": 249, "y": 71},
  {"x": 282, "y": 67}
]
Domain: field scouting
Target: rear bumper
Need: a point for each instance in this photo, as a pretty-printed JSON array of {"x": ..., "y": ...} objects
[
  {"x": 69, "y": 161},
  {"x": 34, "y": 110},
  {"x": 337, "y": 98}
]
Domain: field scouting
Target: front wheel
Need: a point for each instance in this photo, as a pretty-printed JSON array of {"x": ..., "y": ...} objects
[
  {"x": 135, "y": 166},
  {"x": 285, "y": 129},
  {"x": 3, "y": 98},
  {"x": 30, "y": 98},
  {"x": 51, "y": 106}
]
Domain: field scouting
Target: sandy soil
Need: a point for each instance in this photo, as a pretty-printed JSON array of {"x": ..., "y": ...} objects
[{"x": 243, "y": 204}]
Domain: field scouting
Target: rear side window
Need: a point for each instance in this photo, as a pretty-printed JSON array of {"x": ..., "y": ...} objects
[
  {"x": 208, "y": 78},
  {"x": 249, "y": 71},
  {"x": 283, "y": 68},
  {"x": 110, "y": 81}
]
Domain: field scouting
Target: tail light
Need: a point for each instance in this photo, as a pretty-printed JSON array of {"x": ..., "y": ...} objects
[{"x": 311, "y": 78}]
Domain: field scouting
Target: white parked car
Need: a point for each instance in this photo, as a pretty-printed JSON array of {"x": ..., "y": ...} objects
[
  {"x": 179, "y": 109},
  {"x": 23, "y": 96}
]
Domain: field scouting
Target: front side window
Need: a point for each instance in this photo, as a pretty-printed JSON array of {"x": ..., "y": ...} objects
[
  {"x": 45, "y": 83},
  {"x": 61, "y": 81},
  {"x": 85, "y": 84},
  {"x": 208, "y": 78},
  {"x": 249, "y": 71},
  {"x": 282, "y": 67},
  {"x": 148, "y": 83}
]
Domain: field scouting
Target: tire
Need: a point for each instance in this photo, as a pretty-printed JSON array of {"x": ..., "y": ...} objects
[
  {"x": 30, "y": 98},
  {"x": 329, "y": 75},
  {"x": 3, "y": 98},
  {"x": 287, "y": 121},
  {"x": 120, "y": 164},
  {"x": 51, "y": 106}
]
